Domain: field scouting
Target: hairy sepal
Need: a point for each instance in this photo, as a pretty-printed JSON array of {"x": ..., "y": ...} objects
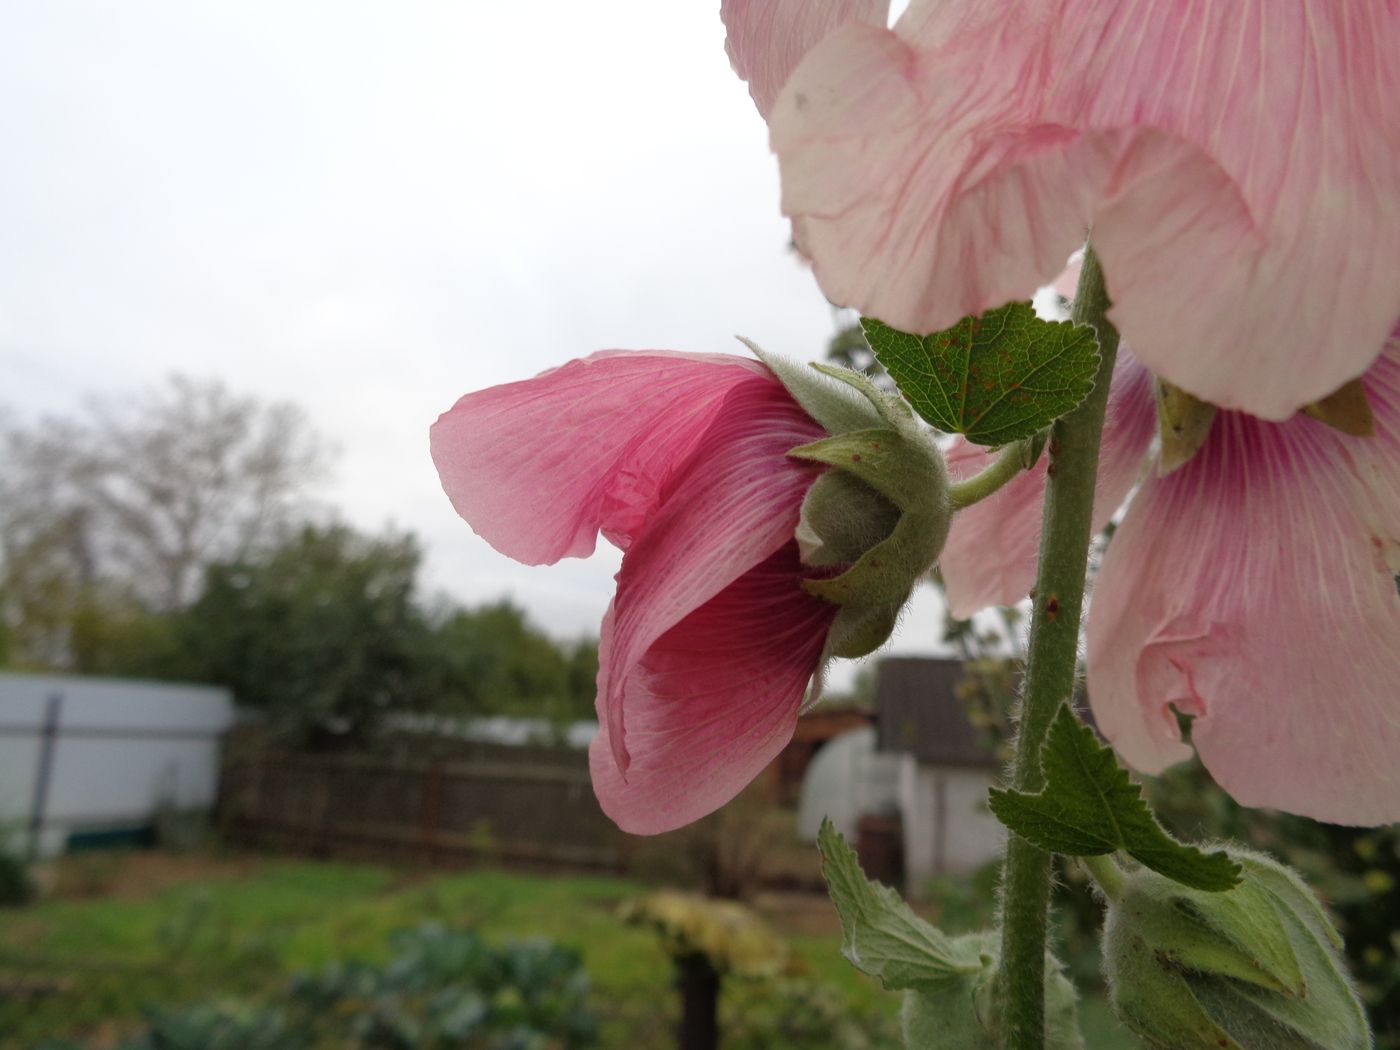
[
  {"x": 1258, "y": 967},
  {"x": 912, "y": 477}
]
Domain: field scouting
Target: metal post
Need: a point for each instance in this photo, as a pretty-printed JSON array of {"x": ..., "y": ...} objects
[
  {"x": 699, "y": 986},
  {"x": 48, "y": 741}
]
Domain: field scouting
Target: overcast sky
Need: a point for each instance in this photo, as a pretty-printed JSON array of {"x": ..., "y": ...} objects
[{"x": 370, "y": 209}]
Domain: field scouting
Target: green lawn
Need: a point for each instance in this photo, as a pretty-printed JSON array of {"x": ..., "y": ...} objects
[{"x": 177, "y": 929}]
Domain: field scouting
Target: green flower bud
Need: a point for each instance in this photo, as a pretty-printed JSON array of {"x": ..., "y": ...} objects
[
  {"x": 881, "y": 514},
  {"x": 896, "y": 472},
  {"x": 1257, "y": 967}
]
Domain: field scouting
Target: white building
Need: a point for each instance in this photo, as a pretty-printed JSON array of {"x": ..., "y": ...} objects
[
  {"x": 88, "y": 757},
  {"x": 945, "y": 770}
]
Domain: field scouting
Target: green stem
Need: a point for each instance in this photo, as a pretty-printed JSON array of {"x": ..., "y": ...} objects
[
  {"x": 1050, "y": 667},
  {"x": 978, "y": 487},
  {"x": 1106, "y": 873}
]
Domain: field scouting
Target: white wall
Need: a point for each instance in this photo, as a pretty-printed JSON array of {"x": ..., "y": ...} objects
[
  {"x": 123, "y": 749},
  {"x": 947, "y": 826},
  {"x": 846, "y": 779}
]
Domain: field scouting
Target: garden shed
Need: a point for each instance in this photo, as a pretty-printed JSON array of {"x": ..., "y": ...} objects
[
  {"x": 945, "y": 772},
  {"x": 85, "y": 761}
]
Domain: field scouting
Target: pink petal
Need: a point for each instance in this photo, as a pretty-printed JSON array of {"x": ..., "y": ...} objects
[
  {"x": 538, "y": 467},
  {"x": 726, "y": 511},
  {"x": 1237, "y": 162},
  {"x": 712, "y": 701},
  {"x": 1255, "y": 589},
  {"x": 991, "y": 552},
  {"x": 767, "y": 38}
]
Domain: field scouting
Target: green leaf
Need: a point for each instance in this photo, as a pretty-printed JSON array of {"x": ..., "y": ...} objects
[
  {"x": 997, "y": 378},
  {"x": 881, "y": 935},
  {"x": 1089, "y": 807}
]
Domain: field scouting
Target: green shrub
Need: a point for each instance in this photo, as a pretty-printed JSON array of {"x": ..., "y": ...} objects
[
  {"x": 16, "y": 887},
  {"x": 800, "y": 1012},
  {"x": 449, "y": 988},
  {"x": 443, "y": 989},
  {"x": 215, "y": 1026}
]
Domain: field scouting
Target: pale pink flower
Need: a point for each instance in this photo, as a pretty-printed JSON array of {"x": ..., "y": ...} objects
[
  {"x": 1254, "y": 587},
  {"x": 767, "y": 38},
  {"x": 1239, "y": 164},
  {"x": 681, "y": 460}
]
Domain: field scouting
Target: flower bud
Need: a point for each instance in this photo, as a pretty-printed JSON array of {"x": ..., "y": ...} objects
[
  {"x": 1257, "y": 967},
  {"x": 881, "y": 515}
]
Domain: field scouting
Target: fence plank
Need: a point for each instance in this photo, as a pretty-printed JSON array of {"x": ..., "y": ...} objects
[{"x": 530, "y": 804}]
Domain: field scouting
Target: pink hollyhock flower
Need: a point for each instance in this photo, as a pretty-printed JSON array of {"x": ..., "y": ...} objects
[
  {"x": 1254, "y": 587},
  {"x": 767, "y": 38},
  {"x": 1239, "y": 164},
  {"x": 682, "y": 461}
]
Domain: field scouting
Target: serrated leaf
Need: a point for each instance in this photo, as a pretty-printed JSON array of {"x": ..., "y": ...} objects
[
  {"x": 880, "y": 934},
  {"x": 996, "y": 378},
  {"x": 1089, "y": 807}
]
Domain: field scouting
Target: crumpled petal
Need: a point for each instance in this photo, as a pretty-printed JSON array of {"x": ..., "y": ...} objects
[
  {"x": 1255, "y": 588},
  {"x": 724, "y": 513},
  {"x": 991, "y": 552},
  {"x": 1239, "y": 164},
  {"x": 710, "y": 702},
  {"x": 767, "y": 38},
  {"x": 602, "y": 436}
]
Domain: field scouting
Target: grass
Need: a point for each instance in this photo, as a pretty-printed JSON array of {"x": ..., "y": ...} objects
[{"x": 166, "y": 930}]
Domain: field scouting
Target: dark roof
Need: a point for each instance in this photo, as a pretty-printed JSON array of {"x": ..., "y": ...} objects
[{"x": 918, "y": 712}]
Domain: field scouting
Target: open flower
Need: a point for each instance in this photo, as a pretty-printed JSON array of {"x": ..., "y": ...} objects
[
  {"x": 1239, "y": 164},
  {"x": 697, "y": 467},
  {"x": 1253, "y": 587}
]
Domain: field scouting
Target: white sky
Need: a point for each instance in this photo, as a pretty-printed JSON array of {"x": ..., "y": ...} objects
[{"x": 370, "y": 209}]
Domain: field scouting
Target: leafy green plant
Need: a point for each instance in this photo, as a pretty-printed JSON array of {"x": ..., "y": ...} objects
[
  {"x": 212, "y": 1026},
  {"x": 799, "y": 1012},
  {"x": 443, "y": 989},
  {"x": 449, "y": 988},
  {"x": 16, "y": 887},
  {"x": 217, "y": 1027}
]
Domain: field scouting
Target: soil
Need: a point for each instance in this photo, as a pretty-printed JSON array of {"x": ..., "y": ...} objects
[{"x": 138, "y": 874}]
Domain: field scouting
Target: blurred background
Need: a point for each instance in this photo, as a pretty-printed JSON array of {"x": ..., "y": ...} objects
[{"x": 288, "y": 757}]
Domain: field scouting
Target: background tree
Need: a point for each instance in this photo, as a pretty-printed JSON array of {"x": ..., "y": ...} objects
[
  {"x": 320, "y": 633},
  {"x": 492, "y": 660},
  {"x": 326, "y": 632},
  {"x": 125, "y": 505},
  {"x": 164, "y": 536}
]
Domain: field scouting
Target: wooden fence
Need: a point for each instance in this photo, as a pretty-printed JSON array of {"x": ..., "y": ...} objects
[{"x": 522, "y": 804}]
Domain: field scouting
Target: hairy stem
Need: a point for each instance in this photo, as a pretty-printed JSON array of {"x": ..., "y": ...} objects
[
  {"x": 1050, "y": 667},
  {"x": 981, "y": 485},
  {"x": 1106, "y": 873}
]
